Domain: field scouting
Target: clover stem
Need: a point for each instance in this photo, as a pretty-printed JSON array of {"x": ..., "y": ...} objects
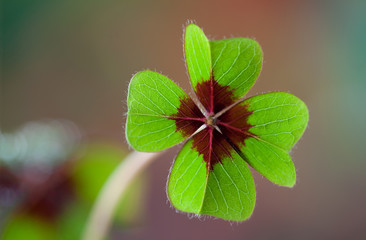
[{"x": 102, "y": 213}]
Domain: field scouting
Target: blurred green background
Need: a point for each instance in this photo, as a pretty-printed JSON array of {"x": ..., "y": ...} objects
[{"x": 65, "y": 68}]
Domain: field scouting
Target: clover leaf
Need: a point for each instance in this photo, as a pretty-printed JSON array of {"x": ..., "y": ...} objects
[{"x": 225, "y": 132}]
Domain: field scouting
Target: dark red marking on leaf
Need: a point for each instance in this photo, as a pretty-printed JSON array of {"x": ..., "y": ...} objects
[
  {"x": 233, "y": 124},
  {"x": 188, "y": 109},
  {"x": 213, "y": 96},
  {"x": 212, "y": 145},
  {"x": 189, "y": 117}
]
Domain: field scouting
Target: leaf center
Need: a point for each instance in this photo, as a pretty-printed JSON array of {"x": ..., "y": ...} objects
[
  {"x": 225, "y": 122},
  {"x": 211, "y": 120}
]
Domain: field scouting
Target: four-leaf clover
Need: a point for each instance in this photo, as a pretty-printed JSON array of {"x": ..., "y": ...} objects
[{"x": 225, "y": 132}]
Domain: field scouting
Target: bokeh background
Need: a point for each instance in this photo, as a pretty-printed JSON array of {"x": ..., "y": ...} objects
[{"x": 65, "y": 68}]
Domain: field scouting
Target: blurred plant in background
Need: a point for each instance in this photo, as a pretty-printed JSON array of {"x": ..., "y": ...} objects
[
  {"x": 42, "y": 143},
  {"x": 50, "y": 178}
]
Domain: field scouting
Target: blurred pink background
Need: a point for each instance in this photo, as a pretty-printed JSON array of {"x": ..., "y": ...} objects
[{"x": 73, "y": 60}]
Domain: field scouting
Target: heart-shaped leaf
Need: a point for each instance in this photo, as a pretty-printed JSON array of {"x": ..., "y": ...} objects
[
  {"x": 153, "y": 99},
  {"x": 226, "y": 191},
  {"x": 278, "y": 121},
  {"x": 237, "y": 63}
]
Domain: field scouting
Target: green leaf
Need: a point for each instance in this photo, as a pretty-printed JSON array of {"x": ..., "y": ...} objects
[
  {"x": 236, "y": 63},
  {"x": 278, "y": 120},
  {"x": 152, "y": 99},
  {"x": 198, "y": 55},
  {"x": 188, "y": 180},
  {"x": 227, "y": 191}
]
